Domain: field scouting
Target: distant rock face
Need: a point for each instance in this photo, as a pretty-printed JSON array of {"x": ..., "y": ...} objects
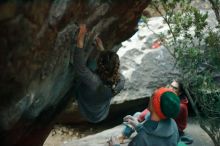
[
  {"x": 145, "y": 68},
  {"x": 156, "y": 69},
  {"x": 37, "y": 40}
]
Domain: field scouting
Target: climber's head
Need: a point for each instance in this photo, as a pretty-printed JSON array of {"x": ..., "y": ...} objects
[{"x": 108, "y": 67}]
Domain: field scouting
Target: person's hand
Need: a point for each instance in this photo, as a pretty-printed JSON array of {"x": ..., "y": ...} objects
[
  {"x": 99, "y": 44},
  {"x": 81, "y": 35},
  {"x": 114, "y": 141},
  {"x": 131, "y": 120}
]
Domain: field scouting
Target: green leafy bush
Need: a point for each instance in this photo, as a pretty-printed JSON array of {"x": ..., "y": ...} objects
[{"x": 196, "y": 47}]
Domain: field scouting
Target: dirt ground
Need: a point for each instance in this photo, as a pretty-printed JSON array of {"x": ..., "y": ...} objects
[{"x": 62, "y": 133}]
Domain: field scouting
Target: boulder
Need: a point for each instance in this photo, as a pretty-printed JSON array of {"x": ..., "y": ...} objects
[
  {"x": 155, "y": 69},
  {"x": 37, "y": 42}
]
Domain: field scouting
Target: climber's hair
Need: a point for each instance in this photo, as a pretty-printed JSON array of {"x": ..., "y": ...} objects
[{"x": 108, "y": 67}]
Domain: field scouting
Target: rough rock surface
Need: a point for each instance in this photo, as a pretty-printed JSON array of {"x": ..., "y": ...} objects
[
  {"x": 155, "y": 70},
  {"x": 36, "y": 40}
]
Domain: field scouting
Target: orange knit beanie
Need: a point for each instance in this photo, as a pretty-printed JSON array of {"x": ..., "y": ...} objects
[{"x": 166, "y": 103}]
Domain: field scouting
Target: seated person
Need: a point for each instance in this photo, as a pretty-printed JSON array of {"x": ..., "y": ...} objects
[
  {"x": 96, "y": 89},
  {"x": 158, "y": 128},
  {"x": 181, "y": 119}
]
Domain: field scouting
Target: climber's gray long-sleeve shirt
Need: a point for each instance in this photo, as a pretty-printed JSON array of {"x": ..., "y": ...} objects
[{"x": 92, "y": 95}]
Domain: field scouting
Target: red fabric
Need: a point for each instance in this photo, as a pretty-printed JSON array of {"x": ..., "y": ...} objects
[
  {"x": 181, "y": 119},
  {"x": 141, "y": 117},
  {"x": 156, "y": 101},
  {"x": 156, "y": 44}
]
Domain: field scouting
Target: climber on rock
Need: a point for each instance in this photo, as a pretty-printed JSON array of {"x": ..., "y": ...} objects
[{"x": 95, "y": 89}]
